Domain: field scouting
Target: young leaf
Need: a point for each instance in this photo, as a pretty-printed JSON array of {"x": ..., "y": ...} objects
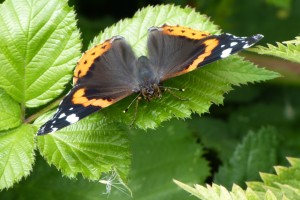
[
  {"x": 10, "y": 110},
  {"x": 288, "y": 51},
  {"x": 287, "y": 179},
  {"x": 160, "y": 156},
  {"x": 39, "y": 47},
  {"x": 256, "y": 153},
  {"x": 89, "y": 147},
  {"x": 216, "y": 192},
  {"x": 284, "y": 185},
  {"x": 17, "y": 155}
]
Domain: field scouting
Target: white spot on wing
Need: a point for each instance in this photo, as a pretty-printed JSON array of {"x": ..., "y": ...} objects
[
  {"x": 61, "y": 115},
  {"x": 54, "y": 129},
  {"x": 71, "y": 108},
  {"x": 233, "y": 44},
  {"x": 226, "y": 53},
  {"x": 247, "y": 45},
  {"x": 72, "y": 118}
]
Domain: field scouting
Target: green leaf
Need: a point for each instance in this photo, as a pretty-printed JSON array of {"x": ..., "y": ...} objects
[
  {"x": 256, "y": 153},
  {"x": 160, "y": 156},
  {"x": 284, "y": 185},
  {"x": 216, "y": 192},
  {"x": 11, "y": 115},
  {"x": 89, "y": 147},
  {"x": 215, "y": 134},
  {"x": 16, "y": 153},
  {"x": 38, "y": 50},
  {"x": 284, "y": 176},
  {"x": 47, "y": 183},
  {"x": 288, "y": 51},
  {"x": 285, "y": 4},
  {"x": 202, "y": 87}
]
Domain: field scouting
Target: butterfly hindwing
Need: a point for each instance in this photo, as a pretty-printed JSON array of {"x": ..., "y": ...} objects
[
  {"x": 103, "y": 76},
  {"x": 176, "y": 50}
]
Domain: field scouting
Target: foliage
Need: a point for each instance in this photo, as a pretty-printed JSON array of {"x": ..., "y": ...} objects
[
  {"x": 40, "y": 44},
  {"x": 92, "y": 150},
  {"x": 160, "y": 156},
  {"x": 290, "y": 50},
  {"x": 284, "y": 185},
  {"x": 246, "y": 159}
]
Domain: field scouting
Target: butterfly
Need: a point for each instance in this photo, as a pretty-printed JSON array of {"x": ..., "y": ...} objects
[{"x": 109, "y": 72}]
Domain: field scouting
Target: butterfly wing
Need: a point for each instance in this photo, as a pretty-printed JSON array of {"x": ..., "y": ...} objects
[
  {"x": 176, "y": 50},
  {"x": 103, "y": 76}
]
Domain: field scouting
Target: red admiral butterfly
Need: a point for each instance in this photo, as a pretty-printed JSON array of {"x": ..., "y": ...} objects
[{"x": 110, "y": 71}]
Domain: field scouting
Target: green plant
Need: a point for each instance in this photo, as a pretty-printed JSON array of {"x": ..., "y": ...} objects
[
  {"x": 41, "y": 46},
  {"x": 284, "y": 185}
]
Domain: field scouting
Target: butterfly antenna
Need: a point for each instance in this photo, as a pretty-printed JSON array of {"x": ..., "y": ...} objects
[{"x": 170, "y": 90}]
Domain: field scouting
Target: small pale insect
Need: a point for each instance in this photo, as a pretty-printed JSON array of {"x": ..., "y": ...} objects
[{"x": 113, "y": 180}]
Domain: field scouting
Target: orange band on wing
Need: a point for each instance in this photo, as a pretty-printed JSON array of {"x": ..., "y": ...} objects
[
  {"x": 87, "y": 59},
  {"x": 185, "y": 32},
  {"x": 79, "y": 98},
  {"x": 210, "y": 45}
]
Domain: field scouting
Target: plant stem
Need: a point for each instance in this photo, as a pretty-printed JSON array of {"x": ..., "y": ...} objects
[{"x": 42, "y": 111}]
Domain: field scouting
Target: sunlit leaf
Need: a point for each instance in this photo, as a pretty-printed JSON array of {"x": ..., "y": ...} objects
[
  {"x": 16, "y": 153},
  {"x": 10, "y": 110},
  {"x": 289, "y": 50},
  {"x": 39, "y": 47},
  {"x": 89, "y": 147},
  {"x": 284, "y": 185}
]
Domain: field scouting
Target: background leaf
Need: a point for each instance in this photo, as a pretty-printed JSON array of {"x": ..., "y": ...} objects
[
  {"x": 10, "y": 110},
  {"x": 285, "y": 4},
  {"x": 17, "y": 156},
  {"x": 40, "y": 45},
  {"x": 288, "y": 51},
  {"x": 46, "y": 183},
  {"x": 89, "y": 147},
  {"x": 161, "y": 155},
  {"x": 284, "y": 185},
  {"x": 246, "y": 160},
  {"x": 170, "y": 152}
]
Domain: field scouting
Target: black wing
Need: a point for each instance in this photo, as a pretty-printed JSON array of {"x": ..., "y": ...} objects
[
  {"x": 103, "y": 76},
  {"x": 175, "y": 50}
]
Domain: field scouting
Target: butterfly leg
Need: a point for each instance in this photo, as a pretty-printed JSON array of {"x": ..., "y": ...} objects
[
  {"x": 169, "y": 89},
  {"x": 136, "y": 100},
  {"x": 135, "y": 110}
]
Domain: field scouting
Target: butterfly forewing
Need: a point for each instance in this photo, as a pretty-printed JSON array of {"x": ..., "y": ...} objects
[
  {"x": 103, "y": 76},
  {"x": 177, "y": 50}
]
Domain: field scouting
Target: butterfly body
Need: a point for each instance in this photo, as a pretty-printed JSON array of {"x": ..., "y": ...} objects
[{"x": 110, "y": 71}]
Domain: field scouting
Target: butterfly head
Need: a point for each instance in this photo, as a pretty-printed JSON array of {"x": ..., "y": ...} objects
[{"x": 151, "y": 91}]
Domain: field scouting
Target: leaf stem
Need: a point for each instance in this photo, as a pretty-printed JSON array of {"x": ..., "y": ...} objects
[{"x": 42, "y": 111}]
